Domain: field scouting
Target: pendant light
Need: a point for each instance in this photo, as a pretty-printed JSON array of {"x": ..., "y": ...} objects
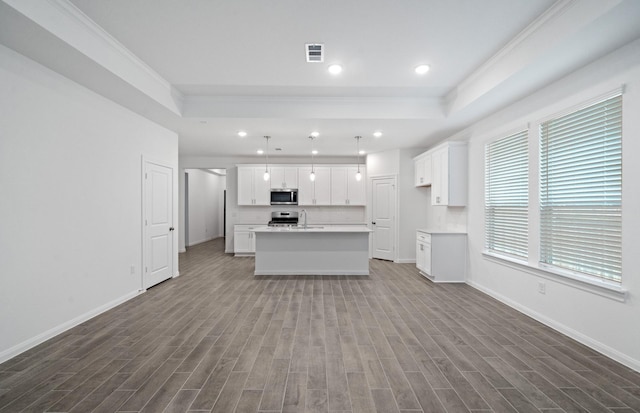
[
  {"x": 312, "y": 175},
  {"x": 266, "y": 175},
  {"x": 358, "y": 174}
]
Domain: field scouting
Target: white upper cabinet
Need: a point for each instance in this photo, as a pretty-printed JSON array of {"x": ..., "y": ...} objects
[
  {"x": 444, "y": 168},
  {"x": 345, "y": 188},
  {"x": 252, "y": 188},
  {"x": 422, "y": 166},
  {"x": 284, "y": 177},
  {"x": 316, "y": 192},
  {"x": 333, "y": 185},
  {"x": 449, "y": 174}
]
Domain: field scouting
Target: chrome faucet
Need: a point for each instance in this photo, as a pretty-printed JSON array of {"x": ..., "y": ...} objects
[{"x": 304, "y": 211}]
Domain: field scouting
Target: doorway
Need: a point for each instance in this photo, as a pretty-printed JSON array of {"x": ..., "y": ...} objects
[
  {"x": 186, "y": 209},
  {"x": 383, "y": 217},
  {"x": 158, "y": 228},
  {"x": 204, "y": 205}
]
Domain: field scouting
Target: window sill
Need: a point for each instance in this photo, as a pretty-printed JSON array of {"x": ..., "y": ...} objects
[{"x": 584, "y": 283}]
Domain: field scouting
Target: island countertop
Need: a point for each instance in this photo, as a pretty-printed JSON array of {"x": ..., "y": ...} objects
[
  {"x": 316, "y": 250},
  {"x": 312, "y": 228}
]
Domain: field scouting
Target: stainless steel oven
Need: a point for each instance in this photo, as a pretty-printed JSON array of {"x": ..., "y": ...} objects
[
  {"x": 284, "y": 219},
  {"x": 284, "y": 197}
]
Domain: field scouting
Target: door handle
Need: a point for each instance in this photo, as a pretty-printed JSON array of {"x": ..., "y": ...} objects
[
  {"x": 171, "y": 229},
  {"x": 373, "y": 222}
]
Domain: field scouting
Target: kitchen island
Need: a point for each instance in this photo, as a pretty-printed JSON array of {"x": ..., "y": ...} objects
[{"x": 314, "y": 250}]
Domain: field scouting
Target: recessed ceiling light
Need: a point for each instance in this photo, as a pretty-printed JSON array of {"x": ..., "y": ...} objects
[
  {"x": 315, "y": 134},
  {"x": 361, "y": 152},
  {"x": 377, "y": 134},
  {"x": 335, "y": 69},
  {"x": 242, "y": 134},
  {"x": 315, "y": 152},
  {"x": 422, "y": 69},
  {"x": 260, "y": 151}
]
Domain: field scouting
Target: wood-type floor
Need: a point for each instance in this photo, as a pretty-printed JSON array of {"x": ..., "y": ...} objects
[{"x": 219, "y": 339}]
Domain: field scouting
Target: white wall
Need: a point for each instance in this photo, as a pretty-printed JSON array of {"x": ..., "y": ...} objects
[
  {"x": 206, "y": 194},
  {"x": 70, "y": 179},
  {"x": 603, "y": 323}
]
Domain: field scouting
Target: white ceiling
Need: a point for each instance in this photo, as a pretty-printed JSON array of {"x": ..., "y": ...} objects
[{"x": 208, "y": 68}]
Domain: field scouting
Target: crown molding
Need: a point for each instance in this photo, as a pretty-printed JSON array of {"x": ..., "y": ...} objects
[
  {"x": 537, "y": 26},
  {"x": 560, "y": 21},
  {"x": 65, "y": 21}
]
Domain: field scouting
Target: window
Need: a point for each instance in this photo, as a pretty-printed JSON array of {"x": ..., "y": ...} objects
[
  {"x": 581, "y": 190},
  {"x": 507, "y": 195}
]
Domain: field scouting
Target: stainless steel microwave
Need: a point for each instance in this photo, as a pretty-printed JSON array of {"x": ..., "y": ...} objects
[{"x": 284, "y": 197}]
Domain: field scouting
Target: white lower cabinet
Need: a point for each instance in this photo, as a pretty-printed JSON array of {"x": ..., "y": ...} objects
[
  {"x": 244, "y": 241},
  {"x": 441, "y": 256},
  {"x": 423, "y": 252}
]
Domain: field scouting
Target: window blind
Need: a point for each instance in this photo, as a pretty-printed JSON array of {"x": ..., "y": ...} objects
[
  {"x": 507, "y": 195},
  {"x": 581, "y": 190}
]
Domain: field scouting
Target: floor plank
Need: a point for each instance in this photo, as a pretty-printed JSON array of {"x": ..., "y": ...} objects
[{"x": 219, "y": 339}]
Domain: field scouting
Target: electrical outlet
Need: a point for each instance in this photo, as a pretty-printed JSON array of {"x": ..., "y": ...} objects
[{"x": 542, "y": 288}]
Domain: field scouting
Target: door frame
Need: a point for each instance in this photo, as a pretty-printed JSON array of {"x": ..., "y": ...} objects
[
  {"x": 396, "y": 240},
  {"x": 144, "y": 245}
]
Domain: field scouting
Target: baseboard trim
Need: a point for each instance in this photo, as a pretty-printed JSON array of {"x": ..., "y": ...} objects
[
  {"x": 41, "y": 338},
  {"x": 193, "y": 244},
  {"x": 405, "y": 261},
  {"x": 576, "y": 335},
  {"x": 306, "y": 273}
]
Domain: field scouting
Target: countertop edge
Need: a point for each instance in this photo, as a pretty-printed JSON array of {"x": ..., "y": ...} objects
[{"x": 440, "y": 231}]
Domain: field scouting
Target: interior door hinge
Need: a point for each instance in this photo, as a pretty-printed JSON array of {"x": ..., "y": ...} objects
[
  {"x": 145, "y": 269},
  {"x": 146, "y": 176}
]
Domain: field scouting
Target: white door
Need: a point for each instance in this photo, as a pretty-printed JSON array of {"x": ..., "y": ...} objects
[
  {"x": 158, "y": 220},
  {"x": 383, "y": 214}
]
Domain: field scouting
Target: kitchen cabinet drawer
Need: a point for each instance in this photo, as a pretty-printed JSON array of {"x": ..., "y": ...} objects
[{"x": 424, "y": 237}]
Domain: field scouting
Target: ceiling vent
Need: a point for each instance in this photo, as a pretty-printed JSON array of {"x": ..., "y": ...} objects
[{"x": 315, "y": 52}]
